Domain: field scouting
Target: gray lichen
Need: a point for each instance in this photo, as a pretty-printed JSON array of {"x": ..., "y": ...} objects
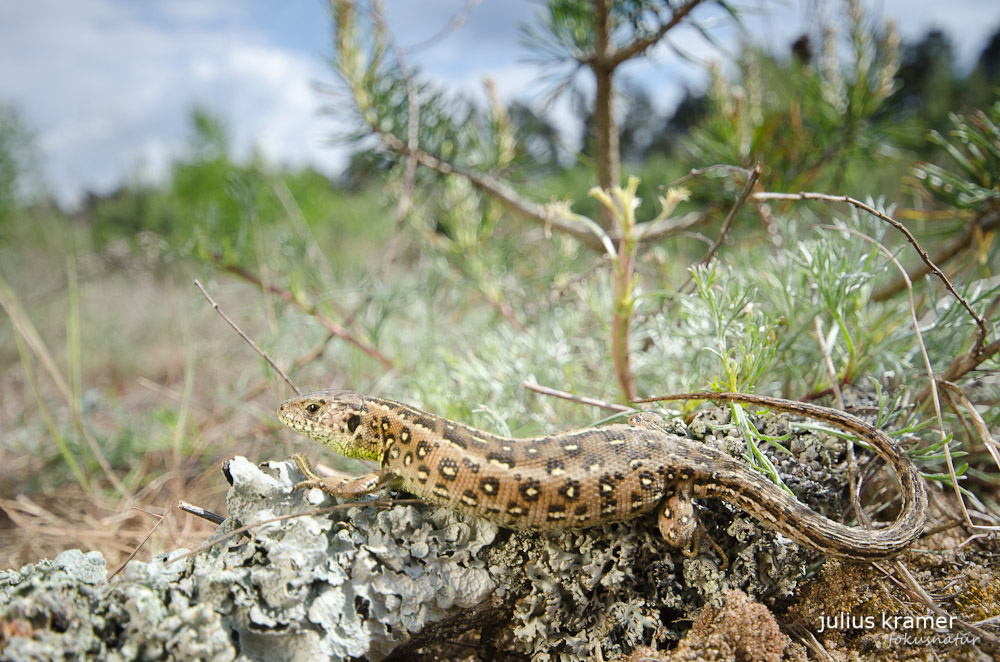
[
  {"x": 364, "y": 582},
  {"x": 588, "y": 590},
  {"x": 358, "y": 582},
  {"x": 65, "y": 610}
]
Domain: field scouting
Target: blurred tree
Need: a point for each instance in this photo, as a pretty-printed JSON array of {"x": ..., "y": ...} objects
[
  {"x": 927, "y": 85},
  {"x": 979, "y": 90},
  {"x": 537, "y": 137},
  {"x": 640, "y": 123},
  {"x": 128, "y": 211},
  {"x": 209, "y": 138},
  {"x": 221, "y": 200},
  {"x": 200, "y": 177},
  {"x": 689, "y": 112},
  {"x": 989, "y": 59},
  {"x": 16, "y": 158},
  {"x": 197, "y": 208}
]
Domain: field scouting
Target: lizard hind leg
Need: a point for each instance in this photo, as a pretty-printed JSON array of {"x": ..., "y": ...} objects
[
  {"x": 680, "y": 527},
  {"x": 677, "y": 522}
]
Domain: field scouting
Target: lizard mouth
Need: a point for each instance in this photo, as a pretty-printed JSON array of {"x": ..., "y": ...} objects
[{"x": 290, "y": 416}]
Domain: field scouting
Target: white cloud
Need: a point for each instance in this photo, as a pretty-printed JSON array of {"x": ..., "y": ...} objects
[
  {"x": 107, "y": 85},
  {"x": 109, "y": 89}
]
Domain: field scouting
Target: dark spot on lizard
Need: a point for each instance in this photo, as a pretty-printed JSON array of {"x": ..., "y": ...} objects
[
  {"x": 571, "y": 490},
  {"x": 448, "y": 468},
  {"x": 502, "y": 459},
  {"x": 531, "y": 489},
  {"x": 555, "y": 467},
  {"x": 426, "y": 422}
]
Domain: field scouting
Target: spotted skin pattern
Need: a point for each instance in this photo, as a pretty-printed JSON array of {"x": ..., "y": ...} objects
[{"x": 587, "y": 477}]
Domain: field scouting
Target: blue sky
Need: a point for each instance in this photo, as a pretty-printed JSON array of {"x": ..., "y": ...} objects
[{"x": 107, "y": 85}]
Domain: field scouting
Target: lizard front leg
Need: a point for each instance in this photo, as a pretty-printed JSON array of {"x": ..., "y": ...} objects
[{"x": 343, "y": 488}]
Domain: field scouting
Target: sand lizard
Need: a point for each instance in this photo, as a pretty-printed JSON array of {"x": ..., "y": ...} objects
[{"x": 587, "y": 477}]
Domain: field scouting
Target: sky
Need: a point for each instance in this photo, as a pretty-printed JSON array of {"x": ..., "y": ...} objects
[{"x": 107, "y": 86}]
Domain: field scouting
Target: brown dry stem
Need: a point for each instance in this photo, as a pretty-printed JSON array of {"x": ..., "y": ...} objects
[{"x": 333, "y": 327}]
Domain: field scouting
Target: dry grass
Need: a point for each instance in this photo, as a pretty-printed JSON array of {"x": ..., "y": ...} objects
[
  {"x": 142, "y": 337},
  {"x": 39, "y": 517}
]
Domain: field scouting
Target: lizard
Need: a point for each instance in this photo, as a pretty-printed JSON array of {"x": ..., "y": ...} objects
[{"x": 588, "y": 477}]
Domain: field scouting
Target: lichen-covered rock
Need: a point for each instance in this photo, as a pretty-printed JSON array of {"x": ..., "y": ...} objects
[
  {"x": 65, "y": 610},
  {"x": 583, "y": 591},
  {"x": 56, "y": 595},
  {"x": 360, "y": 581}
]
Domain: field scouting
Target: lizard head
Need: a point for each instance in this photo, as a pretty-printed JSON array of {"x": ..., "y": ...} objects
[{"x": 338, "y": 419}]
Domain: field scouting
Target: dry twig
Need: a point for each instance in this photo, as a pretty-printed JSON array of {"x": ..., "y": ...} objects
[
  {"x": 135, "y": 551},
  {"x": 203, "y": 513},
  {"x": 727, "y": 223},
  {"x": 752, "y": 176},
  {"x": 583, "y": 400},
  {"x": 256, "y": 348},
  {"x": 333, "y": 327}
]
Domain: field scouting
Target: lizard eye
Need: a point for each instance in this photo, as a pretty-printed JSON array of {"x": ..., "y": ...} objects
[
  {"x": 312, "y": 408},
  {"x": 353, "y": 422}
]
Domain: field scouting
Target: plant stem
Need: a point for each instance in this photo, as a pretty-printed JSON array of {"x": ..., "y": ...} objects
[
  {"x": 605, "y": 129},
  {"x": 624, "y": 279}
]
